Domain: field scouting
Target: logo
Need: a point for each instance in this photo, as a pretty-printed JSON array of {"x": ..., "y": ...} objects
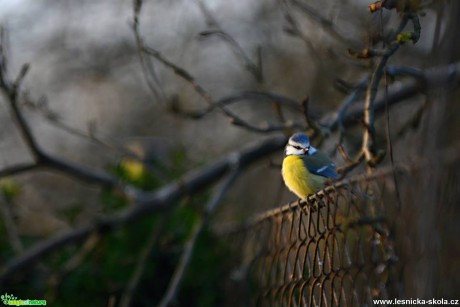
[{"x": 11, "y": 300}]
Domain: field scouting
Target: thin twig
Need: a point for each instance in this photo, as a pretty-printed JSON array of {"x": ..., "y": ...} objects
[
  {"x": 368, "y": 142},
  {"x": 54, "y": 119},
  {"x": 181, "y": 72},
  {"x": 250, "y": 96},
  {"x": 294, "y": 29},
  {"x": 413, "y": 121},
  {"x": 318, "y": 130},
  {"x": 176, "y": 280},
  {"x": 344, "y": 155},
  {"x": 136, "y": 276},
  {"x": 265, "y": 127},
  {"x": 390, "y": 145},
  {"x": 323, "y": 22},
  {"x": 90, "y": 136},
  {"x": 351, "y": 164},
  {"x": 369, "y": 113},
  {"x": 254, "y": 68},
  {"x": 10, "y": 225},
  {"x": 146, "y": 63},
  {"x": 234, "y": 119},
  {"x": 179, "y": 272},
  {"x": 346, "y": 104},
  {"x": 73, "y": 263}
]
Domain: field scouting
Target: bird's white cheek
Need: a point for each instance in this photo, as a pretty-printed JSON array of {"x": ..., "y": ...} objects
[{"x": 293, "y": 151}]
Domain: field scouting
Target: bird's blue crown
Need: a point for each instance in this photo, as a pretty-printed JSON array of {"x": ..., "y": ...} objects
[{"x": 300, "y": 138}]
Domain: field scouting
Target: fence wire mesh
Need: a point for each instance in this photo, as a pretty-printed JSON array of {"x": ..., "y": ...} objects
[{"x": 334, "y": 250}]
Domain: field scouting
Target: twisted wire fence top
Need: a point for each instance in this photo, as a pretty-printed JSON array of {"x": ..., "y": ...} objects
[{"x": 335, "y": 249}]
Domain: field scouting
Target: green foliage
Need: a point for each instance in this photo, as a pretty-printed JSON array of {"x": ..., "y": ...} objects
[
  {"x": 5, "y": 253},
  {"x": 178, "y": 163},
  {"x": 106, "y": 271},
  {"x": 113, "y": 201},
  {"x": 405, "y": 37},
  {"x": 179, "y": 224},
  {"x": 71, "y": 212},
  {"x": 10, "y": 188}
]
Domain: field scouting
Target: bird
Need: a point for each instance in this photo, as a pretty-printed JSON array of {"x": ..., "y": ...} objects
[{"x": 305, "y": 169}]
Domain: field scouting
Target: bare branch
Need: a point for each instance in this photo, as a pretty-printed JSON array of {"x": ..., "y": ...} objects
[
  {"x": 344, "y": 155},
  {"x": 368, "y": 144},
  {"x": 11, "y": 92},
  {"x": 260, "y": 96},
  {"x": 79, "y": 172},
  {"x": 264, "y": 127},
  {"x": 354, "y": 93},
  {"x": 413, "y": 121},
  {"x": 181, "y": 73},
  {"x": 36, "y": 252},
  {"x": 234, "y": 119},
  {"x": 146, "y": 203},
  {"x": 394, "y": 71},
  {"x": 43, "y": 109},
  {"x": 149, "y": 72},
  {"x": 351, "y": 164},
  {"x": 21, "y": 76},
  {"x": 318, "y": 130},
  {"x": 90, "y": 136},
  {"x": 18, "y": 169},
  {"x": 390, "y": 145},
  {"x": 250, "y": 96},
  {"x": 400, "y": 6},
  {"x": 252, "y": 67},
  {"x": 278, "y": 110},
  {"x": 3, "y": 56},
  {"x": 323, "y": 22},
  {"x": 295, "y": 30}
]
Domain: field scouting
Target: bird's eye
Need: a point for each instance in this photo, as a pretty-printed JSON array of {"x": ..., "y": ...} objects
[{"x": 297, "y": 147}]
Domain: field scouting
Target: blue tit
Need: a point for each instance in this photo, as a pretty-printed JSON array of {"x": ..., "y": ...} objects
[{"x": 305, "y": 168}]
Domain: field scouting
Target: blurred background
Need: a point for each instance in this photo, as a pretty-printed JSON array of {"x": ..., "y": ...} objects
[{"x": 93, "y": 98}]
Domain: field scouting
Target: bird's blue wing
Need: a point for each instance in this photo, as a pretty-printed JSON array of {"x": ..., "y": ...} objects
[
  {"x": 321, "y": 165},
  {"x": 326, "y": 171}
]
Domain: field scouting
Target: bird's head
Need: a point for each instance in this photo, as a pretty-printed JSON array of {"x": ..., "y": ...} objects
[{"x": 299, "y": 145}]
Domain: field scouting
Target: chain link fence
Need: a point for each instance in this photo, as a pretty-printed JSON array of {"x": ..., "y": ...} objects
[{"x": 334, "y": 250}]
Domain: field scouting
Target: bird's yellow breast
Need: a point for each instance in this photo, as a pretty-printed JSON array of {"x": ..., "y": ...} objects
[{"x": 298, "y": 179}]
